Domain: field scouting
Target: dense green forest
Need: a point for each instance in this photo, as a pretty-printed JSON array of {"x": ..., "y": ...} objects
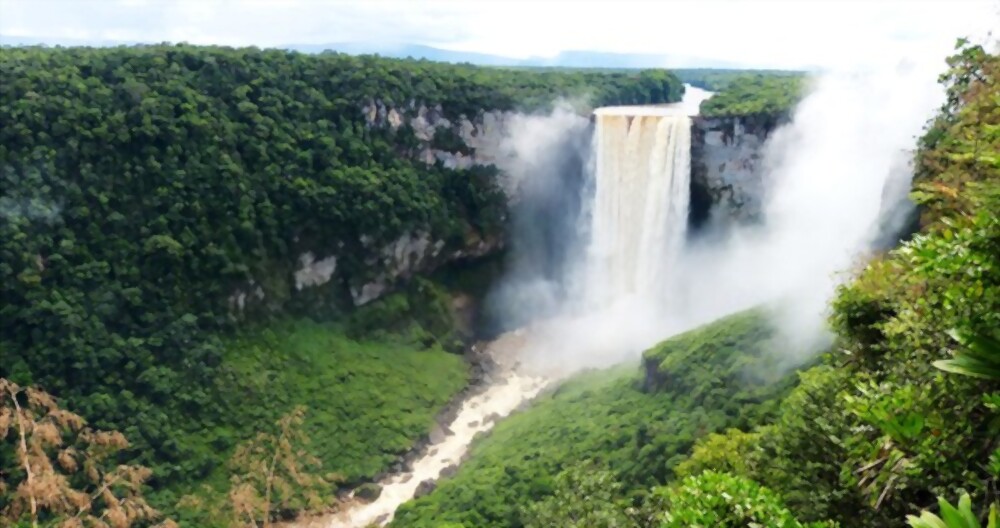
[
  {"x": 143, "y": 187},
  {"x": 637, "y": 425},
  {"x": 738, "y": 92},
  {"x": 718, "y": 79},
  {"x": 896, "y": 415},
  {"x": 753, "y": 94}
]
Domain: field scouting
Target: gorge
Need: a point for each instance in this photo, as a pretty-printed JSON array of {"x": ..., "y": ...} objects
[
  {"x": 424, "y": 295},
  {"x": 641, "y": 177},
  {"x": 643, "y": 277}
]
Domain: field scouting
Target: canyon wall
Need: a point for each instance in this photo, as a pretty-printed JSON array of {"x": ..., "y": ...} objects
[
  {"x": 315, "y": 279},
  {"x": 726, "y": 171},
  {"x": 457, "y": 143},
  {"x": 539, "y": 159},
  {"x": 726, "y": 185}
]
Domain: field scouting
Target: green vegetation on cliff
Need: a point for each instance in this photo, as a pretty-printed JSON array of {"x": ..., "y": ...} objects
[
  {"x": 637, "y": 425},
  {"x": 148, "y": 191}
]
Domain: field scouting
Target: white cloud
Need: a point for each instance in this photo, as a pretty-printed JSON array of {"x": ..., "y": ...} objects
[{"x": 779, "y": 33}]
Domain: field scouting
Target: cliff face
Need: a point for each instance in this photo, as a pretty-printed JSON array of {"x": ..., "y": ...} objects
[
  {"x": 405, "y": 257},
  {"x": 316, "y": 279},
  {"x": 457, "y": 143},
  {"x": 531, "y": 153},
  {"x": 726, "y": 180},
  {"x": 726, "y": 156}
]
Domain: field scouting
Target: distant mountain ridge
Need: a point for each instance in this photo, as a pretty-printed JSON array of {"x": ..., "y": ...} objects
[{"x": 570, "y": 59}]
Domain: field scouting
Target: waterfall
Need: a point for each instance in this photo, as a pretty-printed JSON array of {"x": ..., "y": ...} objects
[
  {"x": 642, "y": 174},
  {"x": 625, "y": 243}
]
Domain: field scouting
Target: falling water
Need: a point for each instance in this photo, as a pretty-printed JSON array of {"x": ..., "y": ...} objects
[
  {"x": 638, "y": 217},
  {"x": 642, "y": 191},
  {"x": 635, "y": 225}
]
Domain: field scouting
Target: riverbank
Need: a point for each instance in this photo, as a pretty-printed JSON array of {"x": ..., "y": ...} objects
[{"x": 498, "y": 388}]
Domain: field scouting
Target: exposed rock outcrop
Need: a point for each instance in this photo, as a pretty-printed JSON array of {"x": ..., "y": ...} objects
[
  {"x": 483, "y": 137},
  {"x": 368, "y": 491},
  {"x": 424, "y": 488},
  {"x": 314, "y": 272},
  {"x": 726, "y": 171},
  {"x": 457, "y": 143}
]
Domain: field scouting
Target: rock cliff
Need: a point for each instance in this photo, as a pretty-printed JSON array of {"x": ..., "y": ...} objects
[
  {"x": 457, "y": 144},
  {"x": 726, "y": 157},
  {"x": 317, "y": 280},
  {"x": 726, "y": 171}
]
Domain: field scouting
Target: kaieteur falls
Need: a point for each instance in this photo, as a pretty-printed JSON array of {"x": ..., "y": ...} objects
[
  {"x": 642, "y": 192},
  {"x": 433, "y": 263}
]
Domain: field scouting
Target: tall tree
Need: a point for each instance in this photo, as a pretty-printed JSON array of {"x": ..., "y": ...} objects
[
  {"x": 63, "y": 472},
  {"x": 273, "y": 472}
]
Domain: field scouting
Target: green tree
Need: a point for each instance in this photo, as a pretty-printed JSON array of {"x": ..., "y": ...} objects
[
  {"x": 586, "y": 496},
  {"x": 725, "y": 501}
]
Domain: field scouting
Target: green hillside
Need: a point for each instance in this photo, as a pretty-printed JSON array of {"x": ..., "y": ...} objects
[
  {"x": 636, "y": 424},
  {"x": 145, "y": 188},
  {"x": 898, "y": 415}
]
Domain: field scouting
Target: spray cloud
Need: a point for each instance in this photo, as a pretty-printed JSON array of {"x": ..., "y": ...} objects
[
  {"x": 835, "y": 184},
  {"x": 836, "y": 180},
  {"x": 546, "y": 159}
]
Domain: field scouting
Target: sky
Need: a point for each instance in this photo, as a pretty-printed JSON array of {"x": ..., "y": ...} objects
[{"x": 766, "y": 33}]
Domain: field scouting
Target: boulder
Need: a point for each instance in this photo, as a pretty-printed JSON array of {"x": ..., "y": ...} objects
[
  {"x": 437, "y": 435},
  {"x": 448, "y": 471},
  {"x": 368, "y": 491},
  {"x": 424, "y": 488}
]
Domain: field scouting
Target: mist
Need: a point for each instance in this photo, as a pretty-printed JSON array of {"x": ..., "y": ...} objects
[
  {"x": 548, "y": 156},
  {"x": 836, "y": 179},
  {"x": 836, "y": 182}
]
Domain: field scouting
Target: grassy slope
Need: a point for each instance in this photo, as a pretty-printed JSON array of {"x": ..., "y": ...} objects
[
  {"x": 611, "y": 417},
  {"x": 367, "y": 401}
]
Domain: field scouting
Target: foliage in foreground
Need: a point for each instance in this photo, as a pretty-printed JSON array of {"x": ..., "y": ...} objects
[
  {"x": 58, "y": 471},
  {"x": 585, "y": 496},
  {"x": 722, "y": 500},
  {"x": 589, "y": 497},
  {"x": 273, "y": 474},
  {"x": 979, "y": 356},
  {"x": 953, "y": 517},
  {"x": 878, "y": 432}
]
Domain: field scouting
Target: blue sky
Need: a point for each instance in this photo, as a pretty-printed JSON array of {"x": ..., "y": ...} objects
[{"x": 766, "y": 33}]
